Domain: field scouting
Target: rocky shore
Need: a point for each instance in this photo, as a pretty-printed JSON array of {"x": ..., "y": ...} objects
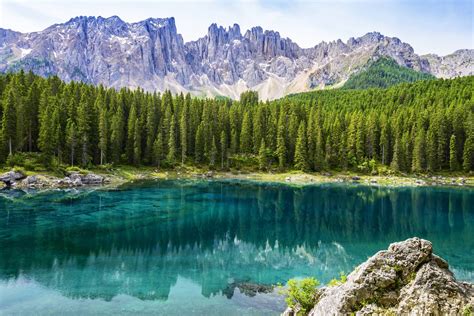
[
  {"x": 406, "y": 279},
  {"x": 18, "y": 180}
]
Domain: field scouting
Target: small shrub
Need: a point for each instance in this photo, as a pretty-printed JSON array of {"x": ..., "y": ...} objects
[
  {"x": 19, "y": 169},
  {"x": 76, "y": 169},
  {"x": 467, "y": 310},
  {"x": 342, "y": 279},
  {"x": 302, "y": 295},
  {"x": 15, "y": 160}
]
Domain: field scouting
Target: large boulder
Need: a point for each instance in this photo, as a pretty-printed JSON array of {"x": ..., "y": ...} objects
[
  {"x": 406, "y": 279},
  {"x": 12, "y": 176}
]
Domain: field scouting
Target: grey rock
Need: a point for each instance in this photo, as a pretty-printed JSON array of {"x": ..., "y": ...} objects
[
  {"x": 31, "y": 180},
  {"x": 406, "y": 279},
  {"x": 92, "y": 179},
  {"x": 11, "y": 177},
  {"x": 78, "y": 179},
  {"x": 77, "y": 182},
  {"x": 75, "y": 176},
  {"x": 152, "y": 54},
  {"x": 64, "y": 182}
]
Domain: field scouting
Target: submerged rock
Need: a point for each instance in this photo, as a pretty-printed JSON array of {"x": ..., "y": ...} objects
[
  {"x": 247, "y": 288},
  {"x": 406, "y": 279}
]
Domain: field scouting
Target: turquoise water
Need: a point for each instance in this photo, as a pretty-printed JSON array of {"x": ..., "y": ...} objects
[{"x": 196, "y": 247}]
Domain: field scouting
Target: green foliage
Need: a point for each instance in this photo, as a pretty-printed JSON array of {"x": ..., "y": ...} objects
[
  {"x": 467, "y": 310},
  {"x": 26, "y": 161},
  {"x": 418, "y": 127},
  {"x": 342, "y": 279},
  {"x": 383, "y": 73},
  {"x": 301, "y": 150},
  {"x": 249, "y": 98},
  {"x": 302, "y": 295}
]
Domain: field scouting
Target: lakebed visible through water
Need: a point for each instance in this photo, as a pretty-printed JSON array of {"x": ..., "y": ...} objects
[{"x": 177, "y": 247}]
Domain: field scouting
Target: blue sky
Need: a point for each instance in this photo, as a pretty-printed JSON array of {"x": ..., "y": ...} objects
[{"x": 429, "y": 26}]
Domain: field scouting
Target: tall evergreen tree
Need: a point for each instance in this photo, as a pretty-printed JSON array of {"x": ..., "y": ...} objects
[
  {"x": 246, "y": 134},
  {"x": 9, "y": 120},
  {"x": 158, "y": 151},
  {"x": 184, "y": 134},
  {"x": 199, "y": 144},
  {"x": 103, "y": 130},
  {"x": 453, "y": 155},
  {"x": 281, "y": 147},
  {"x": 301, "y": 157},
  {"x": 223, "y": 145},
  {"x": 84, "y": 118},
  {"x": 419, "y": 151},
  {"x": 171, "y": 157},
  {"x": 71, "y": 139}
]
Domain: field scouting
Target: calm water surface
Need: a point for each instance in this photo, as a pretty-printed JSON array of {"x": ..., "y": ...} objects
[{"x": 197, "y": 247}]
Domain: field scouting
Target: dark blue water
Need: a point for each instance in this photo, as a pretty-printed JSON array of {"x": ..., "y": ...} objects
[{"x": 197, "y": 247}]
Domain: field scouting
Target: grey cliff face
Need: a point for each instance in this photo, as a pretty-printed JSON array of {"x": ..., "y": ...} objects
[{"x": 152, "y": 54}]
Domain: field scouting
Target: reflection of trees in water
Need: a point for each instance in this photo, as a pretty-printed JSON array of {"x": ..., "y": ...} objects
[{"x": 137, "y": 241}]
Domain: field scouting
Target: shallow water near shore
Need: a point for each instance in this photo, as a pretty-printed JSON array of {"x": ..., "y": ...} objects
[{"x": 174, "y": 247}]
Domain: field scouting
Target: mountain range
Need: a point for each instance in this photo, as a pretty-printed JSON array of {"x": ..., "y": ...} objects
[{"x": 151, "y": 54}]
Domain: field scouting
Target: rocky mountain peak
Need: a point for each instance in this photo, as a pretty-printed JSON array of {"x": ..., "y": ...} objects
[{"x": 152, "y": 54}]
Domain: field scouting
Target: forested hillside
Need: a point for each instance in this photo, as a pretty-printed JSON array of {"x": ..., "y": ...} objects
[
  {"x": 383, "y": 73},
  {"x": 423, "y": 126}
]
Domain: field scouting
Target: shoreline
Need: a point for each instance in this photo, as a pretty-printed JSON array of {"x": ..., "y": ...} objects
[{"x": 116, "y": 177}]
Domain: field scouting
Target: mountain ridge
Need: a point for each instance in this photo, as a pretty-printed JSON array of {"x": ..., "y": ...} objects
[{"x": 152, "y": 54}]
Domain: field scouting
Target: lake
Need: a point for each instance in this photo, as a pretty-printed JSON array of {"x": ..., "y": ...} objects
[{"x": 175, "y": 247}]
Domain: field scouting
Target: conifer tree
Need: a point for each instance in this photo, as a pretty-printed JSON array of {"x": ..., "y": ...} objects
[
  {"x": 301, "y": 158},
  {"x": 31, "y": 115},
  {"x": 151, "y": 126},
  {"x": 103, "y": 131},
  {"x": 419, "y": 151},
  {"x": 468, "y": 148},
  {"x": 132, "y": 118},
  {"x": 431, "y": 150},
  {"x": 9, "y": 120},
  {"x": 397, "y": 160},
  {"x": 171, "y": 157},
  {"x": 117, "y": 133},
  {"x": 223, "y": 144},
  {"x": 281, "y": 147},
  {"x": 246, "y": 134},
  {"x": 84, "y": 119},
  {"x": 453, "y": 155},
  {"x": 71, "y": 139},
  {"x": 184, "y": 134},
  {"x": 158, "y": 150},
  {"x": 262, "y": 156},
  {"x": 199, "y": 144},
  {"x": 137, "y": 143},
  {"x": 213, "y": 153}
]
